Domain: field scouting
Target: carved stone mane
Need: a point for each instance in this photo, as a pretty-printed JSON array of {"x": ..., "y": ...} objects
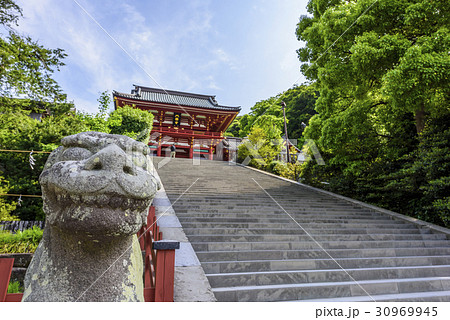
[{"x": 96, "y": 190}]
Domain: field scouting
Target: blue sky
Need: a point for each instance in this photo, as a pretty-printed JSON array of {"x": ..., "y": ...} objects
[{"x": 241, "y": 51}]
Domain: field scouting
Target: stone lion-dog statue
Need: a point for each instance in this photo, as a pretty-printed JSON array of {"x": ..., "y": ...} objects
[{"x": 96, "y": 191}]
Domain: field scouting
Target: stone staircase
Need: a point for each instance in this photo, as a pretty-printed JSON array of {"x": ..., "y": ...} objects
[{"x": 260, "y": 238}]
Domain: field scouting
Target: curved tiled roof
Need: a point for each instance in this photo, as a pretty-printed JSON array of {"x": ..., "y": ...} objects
[{"x": 175, "y": 98}]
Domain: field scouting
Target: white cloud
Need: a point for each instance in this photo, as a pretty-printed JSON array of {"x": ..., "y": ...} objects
[
  {"x": 224, "y": 57},
  {"x": 100, "y": 63},
  {"x": 212, "y": 83},
  {"x": 183, "y": 45}
]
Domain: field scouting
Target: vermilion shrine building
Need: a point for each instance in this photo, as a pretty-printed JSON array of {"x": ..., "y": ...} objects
[{"x": 194, "y": 123}]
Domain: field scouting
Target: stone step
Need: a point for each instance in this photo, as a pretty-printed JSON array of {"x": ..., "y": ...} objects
[
  {"x": 190, "y": 191},
  {"x": 330, "y": 275},
  {"x": 205, "y": 256},
  {"x": 195, "y": 190},
  {"x": 255, "y": 199},
  {"x": 252, "y": 200},
  {"x": 319, "y": 237},
  {"x": 286, "y": 245},
  {"x": 317, "y": 264},
  {"x": 304, "y": 202},
  {"x": 322, "y": 290},
  {"x": 287, "y": 219},
  {"x": 268, "y": 210},
  {"x": 288, "y": 205},
  {"x": 291, "y": 224},
  {"x": 178, "y": 202},
  {"x": 430, "y": 296},
  {"x": 319, "y": 218},
  {"x": 263, "y": 202},
  {"x": 296, "y": 230}
]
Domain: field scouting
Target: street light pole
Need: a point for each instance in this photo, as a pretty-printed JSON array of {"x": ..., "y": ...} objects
[{"x": 283, "y": 106}]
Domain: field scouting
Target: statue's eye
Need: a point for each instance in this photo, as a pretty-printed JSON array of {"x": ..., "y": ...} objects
[
  {"x": 139, "y": 160},
  {"x": 75, "y": 154}
]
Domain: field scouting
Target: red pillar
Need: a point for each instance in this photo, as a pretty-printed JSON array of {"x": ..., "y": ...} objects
[
  {"x": 211, "y": 146},
  {"x": 210, "y": 153},
  {"x": 158, "y": 151},
  {"x": 191, "y": 148}
]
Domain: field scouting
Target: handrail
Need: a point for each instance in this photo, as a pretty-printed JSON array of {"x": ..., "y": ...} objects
[
  {"x": 165, "y": 269},
  {"x": 6, "y": 266},
  {"x": 159, "y": 260}
]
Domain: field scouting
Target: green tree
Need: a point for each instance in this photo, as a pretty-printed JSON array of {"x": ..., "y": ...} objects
[
  {"x": 6, "y": 207},
  {"x": 20, "y": 132},
  {"x": 234, "y": 128},
  {"x": 271, "y": 125},
  {"x": 381, "y": 69},
  {"x": 425, "y": 179},
  {"x": 98, "y": 122},
  {"x": 420, "y": 82},
  {"x": 258, "y": 150},
  {"x": 390, "y": 54},
  {"x": 131, "y": 122},
  {"x": 9, "y": 12},
  {"x": 300, "y": 101},
  {"x": 26, "y": 67}
]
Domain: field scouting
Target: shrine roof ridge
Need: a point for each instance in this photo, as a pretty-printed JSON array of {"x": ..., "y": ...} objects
[{"x": 174, "y": 98}]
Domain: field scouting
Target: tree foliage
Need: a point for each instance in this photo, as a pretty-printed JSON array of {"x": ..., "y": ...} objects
[
  {"x": 5, "y": 207},
  {"x": 382, "y": 72},
  {"x": 26, "y": 67},
  {"x": 9, "y": 13},
  {"x": 259, "y": 149},
  {"x": 299, "y": 101},
  {"x": 263, "y": 129},
  {"x": 131, "y": 122},
  {"x": 20, "y": 132}
]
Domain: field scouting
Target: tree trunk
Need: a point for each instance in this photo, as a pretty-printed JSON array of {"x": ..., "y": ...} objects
[{"x": 420, "y": 119}]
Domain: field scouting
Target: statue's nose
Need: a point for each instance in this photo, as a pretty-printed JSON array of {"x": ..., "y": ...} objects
[{"x": 110, "y": 158}]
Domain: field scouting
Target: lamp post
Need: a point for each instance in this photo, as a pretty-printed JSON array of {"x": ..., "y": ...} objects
[{"x": 283, "y": 106}]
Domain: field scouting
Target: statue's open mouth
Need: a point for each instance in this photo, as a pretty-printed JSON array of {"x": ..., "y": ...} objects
[
  {"x": 63, "y": 198},
  {"x": 109, "y": 213}
]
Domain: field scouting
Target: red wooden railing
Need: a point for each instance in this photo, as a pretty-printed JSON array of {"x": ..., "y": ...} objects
[
  {"x": 187, "y": 131},
  {"x": 6, "y": 265},
  {"x": 159, "y": 269},
  {"x": 159, "y": 261}
]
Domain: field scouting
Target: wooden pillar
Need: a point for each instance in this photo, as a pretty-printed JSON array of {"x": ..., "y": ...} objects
[
  {"x": 161, "y": 118},
  {"x": 191, "y": 149},
  {"x": 210, "y": 153},
  {"x": 158, "y": 151},
  {"x": 211, "y": 150}
]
